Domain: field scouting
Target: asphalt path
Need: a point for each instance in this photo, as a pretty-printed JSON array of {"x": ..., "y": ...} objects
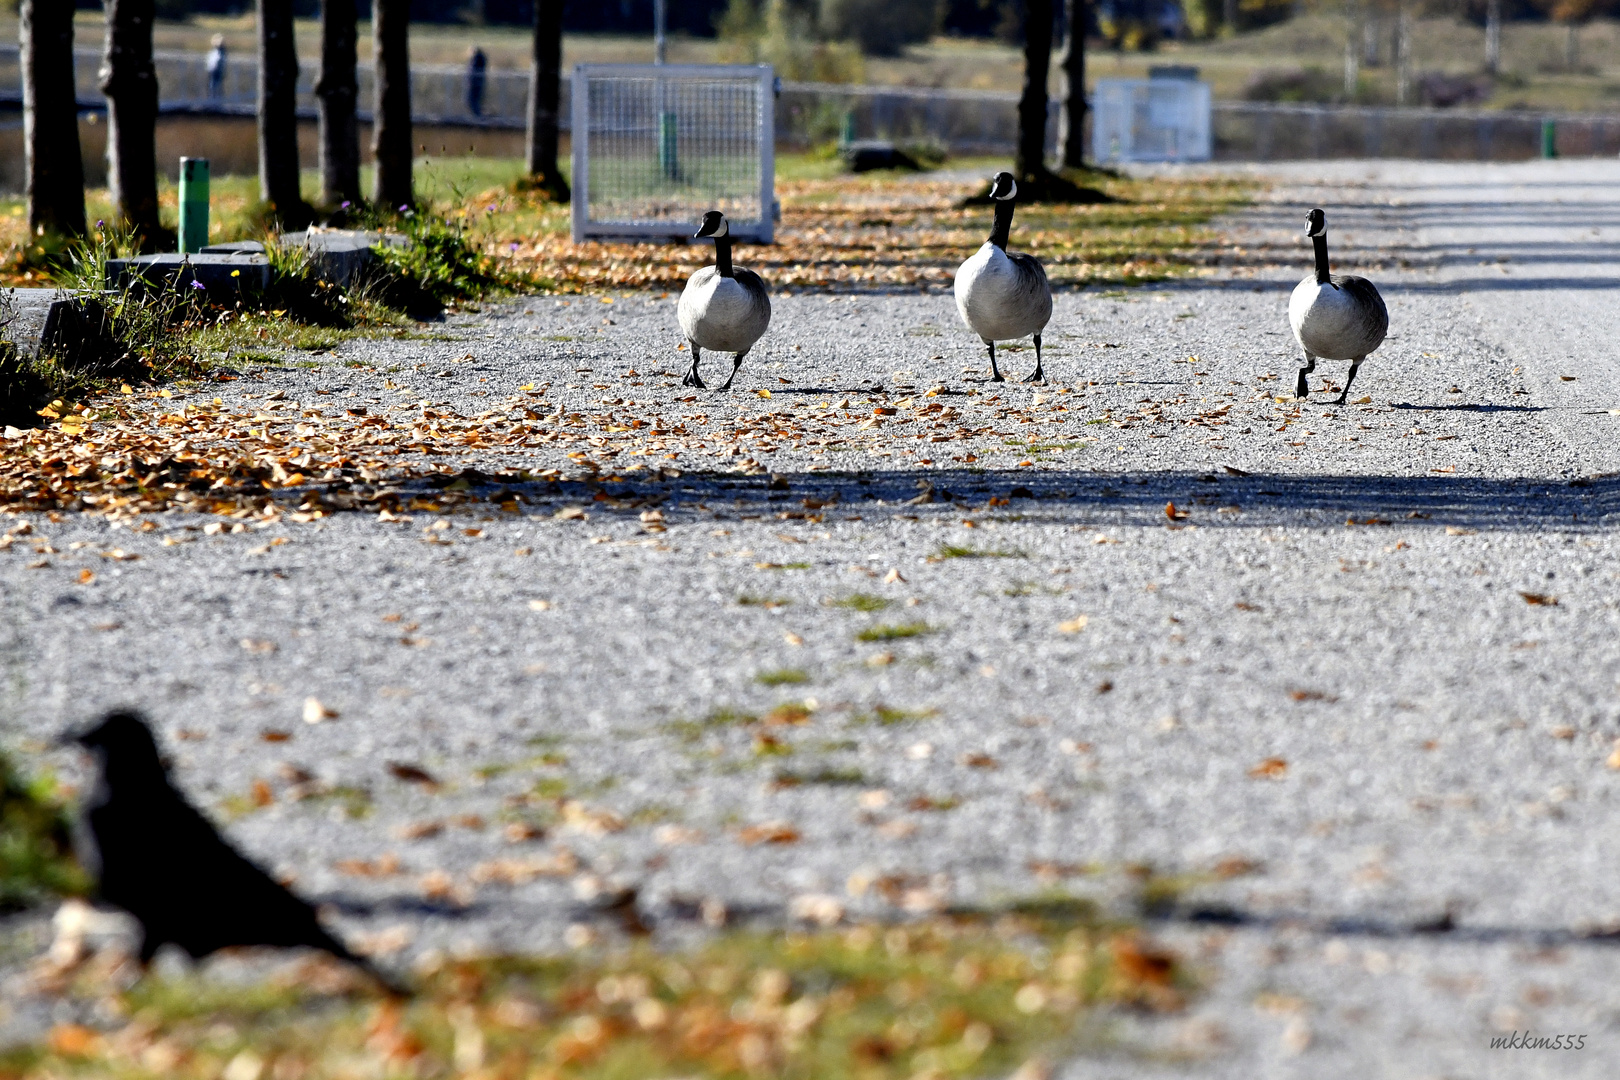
[{"x": 1326, "y": 694}]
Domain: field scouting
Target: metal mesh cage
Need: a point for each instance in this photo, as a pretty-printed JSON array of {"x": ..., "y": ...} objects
[
  {"x": 656, "y": 146},
  {"x": 1150, "y": 120}
]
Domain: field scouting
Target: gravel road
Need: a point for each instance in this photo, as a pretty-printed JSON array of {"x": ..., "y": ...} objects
[{"x": 1338, "y": 720}]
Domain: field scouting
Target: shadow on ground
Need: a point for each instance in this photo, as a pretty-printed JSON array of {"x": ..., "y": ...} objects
[{"x": 1224, "y": 499}]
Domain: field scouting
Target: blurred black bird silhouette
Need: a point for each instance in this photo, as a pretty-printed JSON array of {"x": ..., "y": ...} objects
[{"x": 160, "y": 860}]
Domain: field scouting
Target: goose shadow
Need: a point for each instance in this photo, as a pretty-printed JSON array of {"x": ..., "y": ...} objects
[
  {"x": 1469, "y": 408},
  {"x": 1222, "y": 498}
]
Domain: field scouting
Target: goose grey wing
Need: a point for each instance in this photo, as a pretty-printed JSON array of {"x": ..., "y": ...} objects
[
  {"x": 760, "y": 297},
  {"x": 1370, "y": 303},
  {"x": 1030, "y": 269},
  {"x": 1034, "y": 296}
]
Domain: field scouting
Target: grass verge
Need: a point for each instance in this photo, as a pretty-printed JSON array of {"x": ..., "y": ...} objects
[
  {"x": 967, "y": 995},
  {"x": 36, "y": 849}
]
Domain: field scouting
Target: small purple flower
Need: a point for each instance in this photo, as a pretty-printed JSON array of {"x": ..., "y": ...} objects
[
  {"x": 514, "y": 245},
  {"x": 490, "y": 209},
  {"x": 195, "y": 284},
  {"x": 345, "y": 205},
  {"x": 403, "y": 207},
  {"x": 98, "y": 223}
]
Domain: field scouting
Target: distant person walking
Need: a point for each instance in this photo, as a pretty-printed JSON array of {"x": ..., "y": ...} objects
[
  {"x": 477, "y": 76},
  {"x": 216, "y": 68}
]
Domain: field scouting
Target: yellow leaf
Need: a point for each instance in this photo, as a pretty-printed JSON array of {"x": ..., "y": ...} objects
[
  {"x": 1074, "y": 625},
  {"x": 763, "y": 393}
]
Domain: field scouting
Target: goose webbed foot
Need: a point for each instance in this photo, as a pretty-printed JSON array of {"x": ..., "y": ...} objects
[
  {"x": 735, "y": 364},
  {"x": 1344, "y": 396},
  {"x": 1039, "y": 375},
  {"x": 692, "y": 377},
  {"x": 1301, "y": 390}
]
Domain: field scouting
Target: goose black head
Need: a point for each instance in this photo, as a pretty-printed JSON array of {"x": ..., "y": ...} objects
[
  {"x": 714, "y": 224},
  {"x": 120, "y": 737},
  {"x": 1315, "y": 223},
  {"x": 1003, "y": 187}
]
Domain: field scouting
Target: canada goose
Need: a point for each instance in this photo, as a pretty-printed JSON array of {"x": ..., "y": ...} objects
[
  {"x": 724, "y": 308},
  {"x": 1334, "y": 318},
  {"x": 1003, "y": 296}
]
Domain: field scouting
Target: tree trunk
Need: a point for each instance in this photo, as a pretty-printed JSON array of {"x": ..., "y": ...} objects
[
  {"x": 129, "y": 80},
  {"x": 1074, "y": 94},
  {"x": 1030, "y": 160},
  {"x": 1403, "y": 54},
  {"x": 1352, "y": 49},
  {"x": 391, "y": 109},
  {"x": 1493, "y": 36},
  {"x": 51, "y": 120},
  {"x": 278, "y": 114},
  {"x": 336, "y": 92},
  {"x": 545, "y": 71}
]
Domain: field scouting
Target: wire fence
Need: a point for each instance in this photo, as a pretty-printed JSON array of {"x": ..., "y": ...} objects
[
  {"x": 956, "y": 121},
  {"x": 656, "y": 147}
]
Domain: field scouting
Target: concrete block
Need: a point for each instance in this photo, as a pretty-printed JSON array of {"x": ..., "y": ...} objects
[
  {"x": 235, "y": 247},
  {"x": 225, "y": 277},
  {"x": 75, "y": 329},
  {"x": 341, "y": 255}
]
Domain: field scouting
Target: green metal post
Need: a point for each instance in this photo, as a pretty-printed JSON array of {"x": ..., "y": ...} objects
[
  {"x": 193, "y": 205},
  {"x": 669, "y": 164},
  {"x": 846, "y": 133},
  {"x": 1549, "y": 138}
]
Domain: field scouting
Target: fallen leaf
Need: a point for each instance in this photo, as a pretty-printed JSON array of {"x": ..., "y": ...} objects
[
  {"x": 1173, "y": 514},
  {"x": 86, "y": 577},
  {"x": 272, "y": 736},
  {"x": 978, "y": 761},
  {"x": 769, "y": 832},
  {"x": 261, "y": 793},
  {"x": 315, "y": 712},
  {"x": 1272, "y": 768},
  {"x": 412, "y": 774},
  {"x": 1536, "y": 599},
  {"x": 539, "y": 605},
  {"x": 1074, "y": 625},
  {"x": 893, "y": 577},
  {"x": 419, "y": 830},
  {"x": 258, "y": 645}
]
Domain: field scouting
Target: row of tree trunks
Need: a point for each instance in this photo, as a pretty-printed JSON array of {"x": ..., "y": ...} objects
[{"x": 51, "y": 120}]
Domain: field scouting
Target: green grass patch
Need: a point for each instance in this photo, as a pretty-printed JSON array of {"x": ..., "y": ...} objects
[
  {"x": 36, "y": 846},
  {"x": 894, "y": 631},
  {"x": 827, "y": 775},
  {"x": 957, "y": 551},
  {"x": 884, "y": 714},
  {"x": 861, "y": 602},
  {"x": 972, "y": 995},
  {"x": 769, "y": 603},
  {"x": 783, "y": 677}
]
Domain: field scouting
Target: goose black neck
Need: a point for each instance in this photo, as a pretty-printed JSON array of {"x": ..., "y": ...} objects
[
  {"x": 722, "y": 256},
  {"x": 1002, "y": 229},
  {"x": 1320, "y": 240}
]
